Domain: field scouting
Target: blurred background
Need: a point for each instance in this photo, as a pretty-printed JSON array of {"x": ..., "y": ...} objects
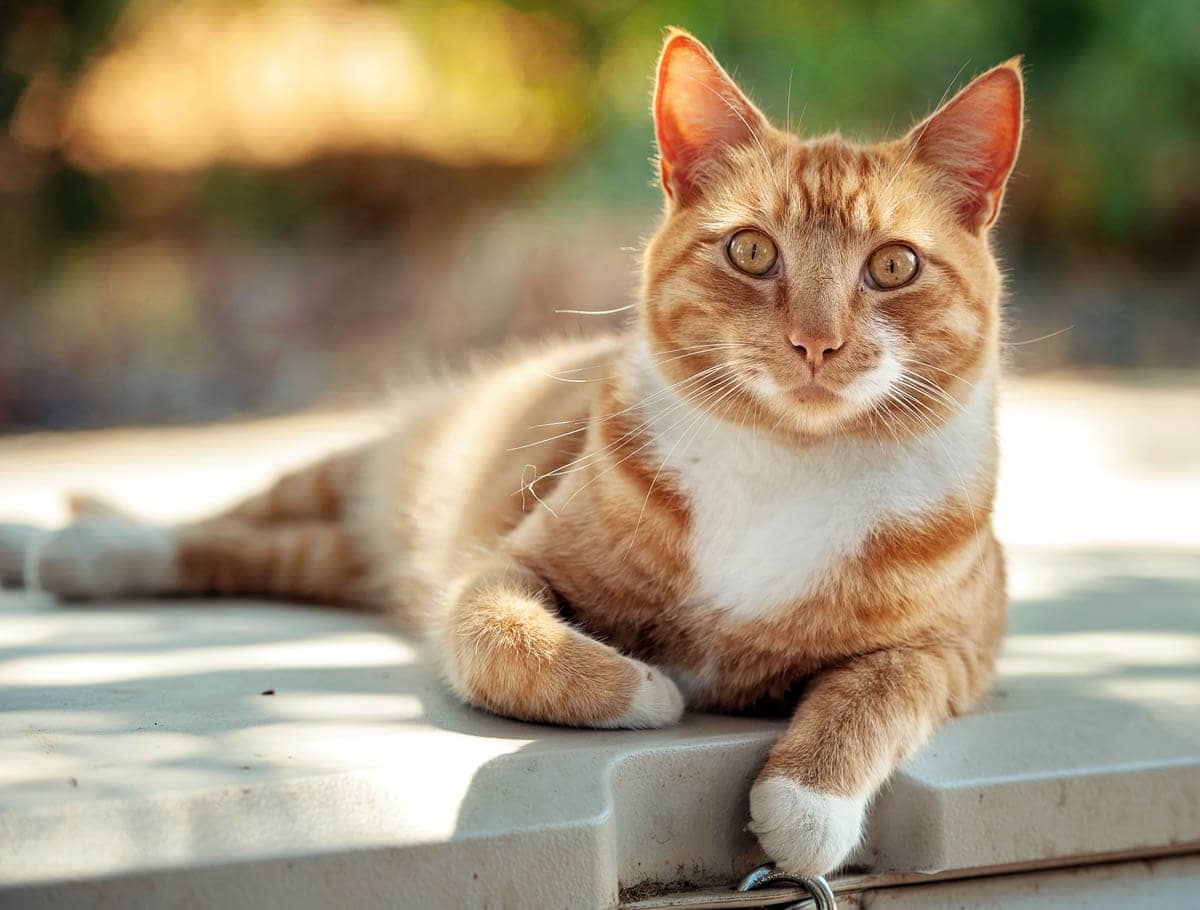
[
  {"x": 228, "y": 227},
  {"x": 214, "y": 208}
]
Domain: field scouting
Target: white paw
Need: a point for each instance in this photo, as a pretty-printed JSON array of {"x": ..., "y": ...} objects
[
  {"x": 103, "y": 557},
  {"x": 806, "y": 832},
  {"x": 15, "y": 543},
  {"x": 657, "y": 702}
]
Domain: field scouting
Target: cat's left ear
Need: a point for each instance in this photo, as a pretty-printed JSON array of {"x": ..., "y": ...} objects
[
  {"x": 698, "y": 113},
  {"x": 972, "y": 142}
]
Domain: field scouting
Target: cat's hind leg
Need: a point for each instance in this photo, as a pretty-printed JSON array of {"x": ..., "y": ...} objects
[
  {"x": 503, "y": 647},
  {"x": 113, "y": 557},
  {"x": 98, "y": 557},
  {"x": 317, "y": 561},
  {"x": 16, "y": 542},
  {"x": 321, "y": 491},
  {"x": 290, "y": 540}
]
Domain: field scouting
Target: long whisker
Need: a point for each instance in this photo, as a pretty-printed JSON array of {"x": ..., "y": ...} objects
[
  {"x": 917, "y": 141},
  {"x": 787, "y": 117},
  {"x": 588, "y": 421},
  {"x": 930, "y": 366},
  {"x": 931, "y": 390},
  {"x": 663, "y": 392},
  {"x": 639, "y": 449},
  {"x": 588, "y": 458},
  {"x": 1017, "y": 344},
  {"x": 619, "y": 309},
  {"x": 659, "y": 355},
  {"x": 688, "y": 352},
  {"x": 581, "y": 462},
  {"x": 913, "y": 407},
  {"x": 888, "y": 423},
  {"x": 529, "y": 485},
  {"x": 753, "y": 132},
  {"x": 697, "y": 423}
]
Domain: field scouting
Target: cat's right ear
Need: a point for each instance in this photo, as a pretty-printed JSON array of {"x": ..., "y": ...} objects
[
  {"x": 972, "y": 142},
  {"x": 698, "y": 112}
]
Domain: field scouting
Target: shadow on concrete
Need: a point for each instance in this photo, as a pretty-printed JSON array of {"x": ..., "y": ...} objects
[{"x": 103, "y": 703}]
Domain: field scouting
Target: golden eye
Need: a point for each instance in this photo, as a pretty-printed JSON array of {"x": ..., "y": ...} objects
[
  {"x": 752, "y": 252},
  {"x": 893, "y": 265}
]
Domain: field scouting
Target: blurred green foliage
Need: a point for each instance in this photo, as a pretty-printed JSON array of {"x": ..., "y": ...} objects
[
  {"x": 1102, "y": 218},
  {"x": 1114, "y": 95},
  {"x": 1113, "y": 92}
]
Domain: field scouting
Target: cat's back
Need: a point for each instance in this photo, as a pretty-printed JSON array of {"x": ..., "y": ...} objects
[{"x": 451, "y": 471}]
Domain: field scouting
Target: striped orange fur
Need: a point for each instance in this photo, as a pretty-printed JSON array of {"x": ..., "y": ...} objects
[{"x": 774, "y": 490}]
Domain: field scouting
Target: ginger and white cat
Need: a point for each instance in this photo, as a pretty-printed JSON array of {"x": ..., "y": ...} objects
[{"x": 776, "y": 488}]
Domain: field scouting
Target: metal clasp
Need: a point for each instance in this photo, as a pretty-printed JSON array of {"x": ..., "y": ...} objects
[{"x": 822, "y": 894}]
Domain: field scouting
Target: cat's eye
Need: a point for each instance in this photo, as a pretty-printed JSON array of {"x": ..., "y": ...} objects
[
  {"x": 893, "y": 265},
  {"x": 752, "y": 252}
]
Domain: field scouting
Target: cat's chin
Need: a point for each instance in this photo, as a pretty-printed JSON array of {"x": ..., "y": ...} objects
[
  {"x": 813, "y": 393},
  {"x": 810, "y": 394},
  {"x": 813, "y": 408}
]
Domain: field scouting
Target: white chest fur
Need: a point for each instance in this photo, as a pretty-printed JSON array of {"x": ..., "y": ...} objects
[{"x": 769, "y": 523}]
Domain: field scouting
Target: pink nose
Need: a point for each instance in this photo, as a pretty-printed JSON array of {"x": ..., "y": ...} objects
[{"x": 815, "y": 347}]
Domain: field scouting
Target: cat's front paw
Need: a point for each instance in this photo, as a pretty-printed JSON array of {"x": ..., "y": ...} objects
[
  {"x": 806, "y": 832},
  {"x": 657, "y": 701},
  {"x": 103, "y": 557}
]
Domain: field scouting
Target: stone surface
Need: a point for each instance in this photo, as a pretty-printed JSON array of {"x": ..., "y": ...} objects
[
  {"x": 143, "y": 765},
  {"x": 142, "y": 750}
]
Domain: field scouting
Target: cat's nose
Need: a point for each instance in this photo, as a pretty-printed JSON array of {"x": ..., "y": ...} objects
[{"x": 816, "y": 347}]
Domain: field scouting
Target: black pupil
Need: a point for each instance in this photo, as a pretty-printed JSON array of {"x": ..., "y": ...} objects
[
  {"x": 891, "y": 266},
  {"x": 753, "y": 250}
]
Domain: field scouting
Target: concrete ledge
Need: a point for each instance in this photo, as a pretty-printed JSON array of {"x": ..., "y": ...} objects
[
  {"x": 146, "y": 761},
  {"x": 141, "y": 765}
]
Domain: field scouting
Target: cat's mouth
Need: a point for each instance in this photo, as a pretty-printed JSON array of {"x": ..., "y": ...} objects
[{"x": 813, "y": 392}]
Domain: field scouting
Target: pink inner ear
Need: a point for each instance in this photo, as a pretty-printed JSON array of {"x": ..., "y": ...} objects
[
  {"x": 974, "y": 139},
  {"x": 698, "y": 110}
]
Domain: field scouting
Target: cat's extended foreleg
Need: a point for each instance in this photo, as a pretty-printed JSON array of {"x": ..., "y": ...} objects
[
  {"x": 503, "y": 647},
  {"x": 857, "y": 722}
]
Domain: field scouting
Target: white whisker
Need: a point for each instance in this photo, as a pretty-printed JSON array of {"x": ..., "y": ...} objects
[
  {"x": 588, "y": 459},
  {"x": 691, "y": 351},
  {"x": 587, "y": 421},
  {"x": 917, "y": 141},
  {"x": 640, "y": 448},
  {"x": 619, "y": 309},
  {"x": 753, "y": 132},
  {"x": 702, "y": 411},
  {"x": 914, "y": 408},
  {"x": 930, "y": 366},
  {"x": 1016, "y": 344}
]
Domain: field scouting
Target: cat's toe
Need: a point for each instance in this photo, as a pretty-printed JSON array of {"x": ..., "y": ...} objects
[
  {"x": 103, "y": 557},
  {"x": 805, "y": 831},
  {"x": 656, "y": 703},
  {"x": 15, "y": 543}
]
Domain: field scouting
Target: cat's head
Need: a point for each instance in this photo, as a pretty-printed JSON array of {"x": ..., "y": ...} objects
[{"x": 819, "y": 286}]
